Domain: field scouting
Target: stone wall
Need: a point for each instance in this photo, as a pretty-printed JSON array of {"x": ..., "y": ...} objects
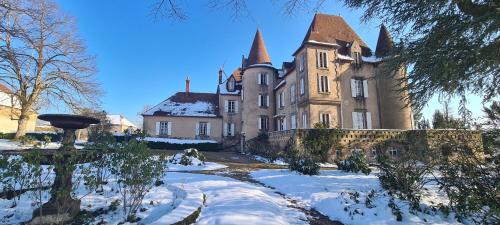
[{"x": 372, "y": 142}]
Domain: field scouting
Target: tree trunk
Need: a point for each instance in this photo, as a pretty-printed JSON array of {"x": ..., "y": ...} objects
[{"x": 22, "y": 124}]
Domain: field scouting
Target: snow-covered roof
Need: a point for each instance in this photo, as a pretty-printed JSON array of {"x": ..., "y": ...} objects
[
  {"x": 7, "y": 99},
  {"x": 187, "y": 104},
  {"x": 345, "y": 57},
  {"x": 119, "y": 120},
  {"x": 371, "y": 59},
  {"x": 223, "y": 89}
]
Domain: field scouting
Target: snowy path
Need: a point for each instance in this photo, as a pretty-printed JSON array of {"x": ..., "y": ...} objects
[{"x": 231, "y": 201}]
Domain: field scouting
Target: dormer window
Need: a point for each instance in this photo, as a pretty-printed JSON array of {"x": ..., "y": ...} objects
[
  {"x": 230, "y": 84},
  {"x": 357, "y": 59}
]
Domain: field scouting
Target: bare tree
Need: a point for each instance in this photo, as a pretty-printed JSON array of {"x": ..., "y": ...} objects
[{"x": 42, "y": 59}]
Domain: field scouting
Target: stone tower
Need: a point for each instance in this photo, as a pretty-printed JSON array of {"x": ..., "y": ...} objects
[
  {"x": 258, "y": 77},
  {"x": 395, "y": 113}
]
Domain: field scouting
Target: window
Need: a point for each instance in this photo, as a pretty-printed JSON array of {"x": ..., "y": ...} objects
[
  {"x": 302, "y": 86},
  {"x": 263, "y": 100},
  {"x": 302, "y": 62},
  {"x": 374, "y": 152},
  {"x": 361, "y": 120},
  {"x": 325, "y": 119},
  {"x": 230, "y": 85},
  {"x": 322, "y": 59},
  {"x": 164, "y": 128},
  {"x": 324, "y": 85},
  {"x": 263, "y": 123},
  {"x": 231, "y": 106},
  {"x": 293, "y": 121},
  {"x": 203, "y": 129},
  {"x": 393, "y": 151},
  {"x": 292, "y": 93},
  {"x": 357, "y": 59},
  {"x": 282, "y": 123},
  {"x": 228, "y": 129},
  {"x": 304, "y": 120},
  {"x": 262, "y": 79},
  {"x": 281, "y": 99},
  {"x": 359, "y": 88}
]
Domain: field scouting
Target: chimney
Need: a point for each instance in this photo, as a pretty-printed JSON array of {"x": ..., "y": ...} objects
[
  {"x": 187, "y": 84},
  {"x": 220, "y": 75}
]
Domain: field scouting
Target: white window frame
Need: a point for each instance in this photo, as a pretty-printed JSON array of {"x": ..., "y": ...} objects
[
  {"x": 325, "y": 118},
  {"x": 282, "y": 123},
  {"x": 323, "y": 84},
  {"x": 293, "y": 121},
  {"x": 165, "y": 128},
  {"x": 231, "y": 106},
  {"x": 359, "y": 88},
  {"x": 263, "y": 100},
  {"x": 203, "y": 129},
  {"x": 292, "y": 93},
  {"x": 322, "y": 59},
  {"x": 304, "y": 119},
  {"x": 263, "y": 123},
  {"x": 393, "y": 151},
  {"x": 281, "y": 99},
  {"x": 228, "y": 129},
  {"x": 263, "y": 79},
  {"x": 302, "y": 86},
  {"x": 361, "y": 120},
  {"x": 302, "y": 59}
]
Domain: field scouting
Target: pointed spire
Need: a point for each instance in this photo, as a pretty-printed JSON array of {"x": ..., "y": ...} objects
[
  {"x": 384, "y": 43},
  {"x": 258, "y": 53}
]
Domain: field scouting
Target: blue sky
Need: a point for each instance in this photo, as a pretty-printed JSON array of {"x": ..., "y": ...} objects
[{"x": 142, "y": 61}]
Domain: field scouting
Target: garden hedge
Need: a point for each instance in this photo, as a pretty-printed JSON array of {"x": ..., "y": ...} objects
[{"x": 35, "y": 136}]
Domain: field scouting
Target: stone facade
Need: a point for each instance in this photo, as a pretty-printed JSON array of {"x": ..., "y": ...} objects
[{"x": 334, "y": 79}]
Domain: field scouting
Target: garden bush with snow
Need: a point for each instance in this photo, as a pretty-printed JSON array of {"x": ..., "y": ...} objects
[
  {"x": 356, "y": 162},
  {"x": 190, "y": 157}
]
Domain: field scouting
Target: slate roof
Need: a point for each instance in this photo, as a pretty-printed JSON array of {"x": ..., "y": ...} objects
[
  {"x": 187, "y": 104},
  {"x": 258, "y": 52},
  {"x": 5, "y": 89},
  {"x": 384, "y": 42},
  {"x": 331, "y": 29}
]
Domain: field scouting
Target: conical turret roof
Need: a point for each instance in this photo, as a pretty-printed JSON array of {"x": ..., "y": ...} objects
[
  {"x": 384, "y": 42},
  {"x": 258, "y": 52}
]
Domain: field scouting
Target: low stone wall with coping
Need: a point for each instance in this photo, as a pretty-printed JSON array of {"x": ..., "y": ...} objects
[{"x": 372, "y": 142}]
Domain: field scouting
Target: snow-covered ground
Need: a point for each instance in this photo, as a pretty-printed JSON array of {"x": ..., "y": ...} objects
[
  {"x": 229, "y": 201},
  {"x": 15, "y": 145},
  {"x": 281, "y": 162},
  {"x": 333, "y": 194},
  {"x": 174, "y": 163}
]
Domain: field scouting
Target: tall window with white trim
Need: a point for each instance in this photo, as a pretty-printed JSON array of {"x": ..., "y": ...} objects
[
  {"x": 262, "y": 79},
  {"x": 304, "y": 119},
  {"x": 165, "y": 128},
  {"x": 359, "y": 88},
  {"x": 325, "y": 119},
  {"x": 263, "y": 100},
  {"x": 292, "y": 93},
  {"x": 322, "y": 59},
  {"x": 323, "y": 84},
  {"x": 302, "y": 86},
  {"x": 231, "y": 106},
  {"x": 293, "y": 121},
  {"x": 263, "y": 123},
  {"x": 361, "y": 120},
  {"x": 302, "y": 62}
]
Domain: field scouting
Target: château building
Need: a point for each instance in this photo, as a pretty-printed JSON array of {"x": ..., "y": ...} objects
[{"x": 334, "y": 79}]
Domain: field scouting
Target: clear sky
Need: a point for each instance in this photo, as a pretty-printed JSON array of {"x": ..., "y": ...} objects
[{"x": 142, "y": 61}]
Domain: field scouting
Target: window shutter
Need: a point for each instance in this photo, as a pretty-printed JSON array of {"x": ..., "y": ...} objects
[
  {"x": 278, "y": 105},
  {"x": 326, "y": 59},
  {"x": 368, "y": 120},
  {"x": 353, "y": 88},
  {"x": 302, "y": 86},
  {"x": 208, "y": 129},
  {"x": 284, "y": 123},
  {"x": 260, "y": 100},
  {"x": 197, "y": 129},
  {"x": 226, "y": 106},
  {"x": 267, "y": 101},
  {"x": 157, "y": 128},
  {"x": 260, "y": 123},
  {"x": 235, "y": 106},
  {"x": 304, "y": 120},
  {"x": 267, "y": 79},
  {"x": 259, "y": 79},
  {"x": 327, "y": 84},
  {"x": 169, "y": 127},
  {"x": 283, "y": 93},
  {"x": 355, "y": 120},
  {"x": 365, "y": 88},
  {"x": 225, "y": 129},
  {"x": 317, "y": 59},
  {"x": 232, "y": 129}
]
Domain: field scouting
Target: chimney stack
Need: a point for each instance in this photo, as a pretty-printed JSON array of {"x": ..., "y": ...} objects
[
  {"x": 220, "y": 75},
  {"x": 187, "y": 84}
]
